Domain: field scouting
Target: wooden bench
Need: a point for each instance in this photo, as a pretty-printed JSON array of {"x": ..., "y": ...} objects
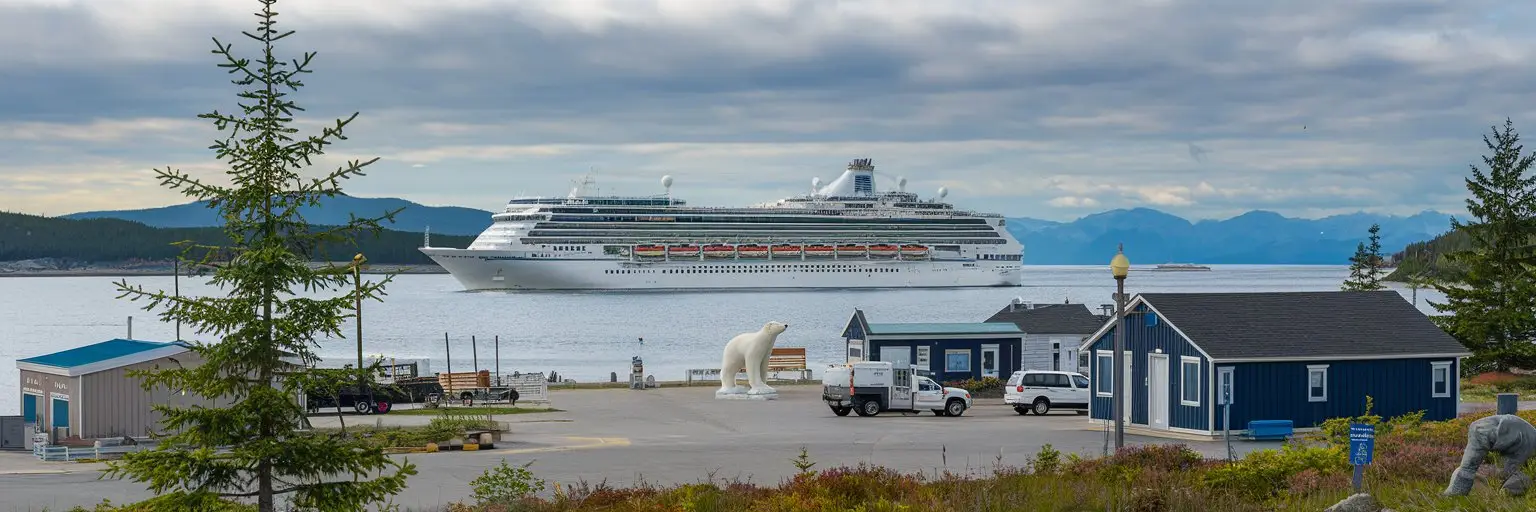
[{"x": 788, "y": 359}]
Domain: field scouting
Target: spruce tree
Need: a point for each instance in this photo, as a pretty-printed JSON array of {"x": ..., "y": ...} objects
[
  {"x": 1492, "y": 300},
  {"x": 245, "y": 445},
  {"x": 1365, "y": 265}
]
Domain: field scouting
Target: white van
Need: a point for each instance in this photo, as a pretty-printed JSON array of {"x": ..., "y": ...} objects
[{"x": 1039, "y": 391}]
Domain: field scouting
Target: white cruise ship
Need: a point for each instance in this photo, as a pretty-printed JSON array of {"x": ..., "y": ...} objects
[{"x": 844, "y": 234}]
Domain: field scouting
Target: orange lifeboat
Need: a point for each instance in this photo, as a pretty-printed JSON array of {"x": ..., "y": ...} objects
[
  {"x": 719, "y": 251},
  {"x": 914, "y": 251},
  {"x": 650, "y": 251},
  {"x": 851, "y": 250},
  {"x": 683, "y": 250},
  {"x": 783, "y": 250},
  {"x": 820, "y": 250},
  {"x": 752, "y": 251},
  {"x": 883, "y": 250}
]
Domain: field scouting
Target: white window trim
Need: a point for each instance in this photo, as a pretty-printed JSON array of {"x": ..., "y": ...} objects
[
  {"x": 1184, "y": 363},
  {"x": 1313, "y": 368},
  {"x": 968, "y": 362},
  {"x": 1434, "y": 366},
  {"x": 1098, "y": 367},
  {"x": 1226, "y": 374}
]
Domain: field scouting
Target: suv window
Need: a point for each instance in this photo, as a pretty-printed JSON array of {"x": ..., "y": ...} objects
[
  {"x": 1081, "y": 381},
  {"x": 1034, "y": 379},
  {"x": 1057, "y": 380},
  {"x": 1013, "y": 380}
]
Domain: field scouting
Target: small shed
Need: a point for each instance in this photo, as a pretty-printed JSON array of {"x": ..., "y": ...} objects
[
  {"x": 1052, "y": 333},
  {"x": 1300, "y": 356},
  {"x": 86, "y": 392},
  {"x": 943, "y": 351}
]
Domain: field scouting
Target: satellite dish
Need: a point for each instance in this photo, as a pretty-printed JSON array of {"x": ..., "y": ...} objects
[
  {"x": 943, "y": 191},
  {"x": 901, "y": 184},
  {"x": 666, "y": 181}
]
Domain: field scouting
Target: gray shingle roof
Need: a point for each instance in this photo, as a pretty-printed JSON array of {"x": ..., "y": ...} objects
[
  {"x": 1051, "y": 319},
  {"x": 1303, "y": 324}
]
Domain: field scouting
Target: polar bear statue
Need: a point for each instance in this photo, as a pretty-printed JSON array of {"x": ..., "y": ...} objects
[{"x": 749, "y": 350}]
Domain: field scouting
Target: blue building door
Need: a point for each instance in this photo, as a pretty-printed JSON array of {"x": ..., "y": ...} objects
[
  {"x": 60, "y": 413},
  {"x": 29, "y": 408}
]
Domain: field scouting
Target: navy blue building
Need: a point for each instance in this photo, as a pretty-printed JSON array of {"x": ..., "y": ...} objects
[
  {"x": 1299, "y": 356},
  {"x": 942, "y": 351}
]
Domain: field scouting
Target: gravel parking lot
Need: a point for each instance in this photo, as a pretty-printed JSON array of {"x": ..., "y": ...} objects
[{"x": 677, "y": 435}]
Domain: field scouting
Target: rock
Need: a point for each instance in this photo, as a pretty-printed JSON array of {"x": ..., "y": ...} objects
[{"x": 1361, "y": 502}]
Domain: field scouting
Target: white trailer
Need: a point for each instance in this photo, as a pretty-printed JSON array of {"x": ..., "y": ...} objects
[{"x": 871, "y": 387}]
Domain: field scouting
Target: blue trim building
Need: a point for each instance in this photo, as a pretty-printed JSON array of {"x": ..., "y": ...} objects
[
  {"x": 87, "y": 392},
  {"x": 1299, "y": 356},
  {"x": 943, "y": 351}
]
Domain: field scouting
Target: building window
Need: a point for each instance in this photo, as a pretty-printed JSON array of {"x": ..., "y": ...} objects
[
  {"x": 1151, "y": 319},
  {"x": 1317, "y": 383},
  {"x": 1189, "y": 381},
  {"x": 1440, "y": 379},
  {"x": 1104, "y": 372},
  {"x": 1226, "y": 391},
  {"x": 957, "y": 360}
]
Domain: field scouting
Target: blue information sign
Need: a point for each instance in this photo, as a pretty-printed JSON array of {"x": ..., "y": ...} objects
[{"x": 1362, "y": 442}]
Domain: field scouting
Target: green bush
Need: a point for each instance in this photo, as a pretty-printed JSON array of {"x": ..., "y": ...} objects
[
  {"x": 1264, "y": 474},
  {"x": 979, "y": 386},
  {"x": 505, "y": 484}
]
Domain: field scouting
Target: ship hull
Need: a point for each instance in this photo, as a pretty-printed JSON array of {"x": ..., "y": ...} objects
[{"x": 511, "y": 270}]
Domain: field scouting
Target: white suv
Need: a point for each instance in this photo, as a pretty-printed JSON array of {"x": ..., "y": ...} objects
[{"x": 1039, "y": 390}]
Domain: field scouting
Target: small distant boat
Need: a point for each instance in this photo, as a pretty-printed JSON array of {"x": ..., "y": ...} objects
[{"x": 1181, "y": 267}]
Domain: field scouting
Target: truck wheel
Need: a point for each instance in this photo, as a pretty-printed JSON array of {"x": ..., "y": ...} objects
[
  {"x": 1042, "y": 406},
  {"x": 1021, "y": 410},
  {"x": 841, "y": 411},
  {"x": 867, "y": 407},
  {"x": 362, "y": 407},
  {"x": 955, "y": 407}
]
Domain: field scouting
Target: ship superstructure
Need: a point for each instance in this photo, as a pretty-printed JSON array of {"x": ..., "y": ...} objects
[{"x": 843, "y": 234}]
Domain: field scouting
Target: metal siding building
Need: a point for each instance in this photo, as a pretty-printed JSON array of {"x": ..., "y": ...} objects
[
  {"x": 1052, "y": 332},
  {"x": 1299, "y": 356},
  {"x": 939, "y": 350},
  {"x": 88, "y": 391}
]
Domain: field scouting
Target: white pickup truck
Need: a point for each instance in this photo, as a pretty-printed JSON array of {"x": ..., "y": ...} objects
[{"x": 869, "y": 388}]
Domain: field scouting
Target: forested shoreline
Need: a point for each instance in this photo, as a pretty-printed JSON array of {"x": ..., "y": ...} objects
[{"x": 110, "y": 241}]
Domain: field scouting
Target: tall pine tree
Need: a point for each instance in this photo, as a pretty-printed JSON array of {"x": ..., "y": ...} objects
[
  {"x": 1492, "y": 302},
  {"x": 246, "y": 446},
  {"x": 1365, "y": 266}
]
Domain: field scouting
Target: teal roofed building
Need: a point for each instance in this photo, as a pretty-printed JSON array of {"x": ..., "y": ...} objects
[
  {"x": 945, "y": 351},
  {"x": 86, "y": 392}
]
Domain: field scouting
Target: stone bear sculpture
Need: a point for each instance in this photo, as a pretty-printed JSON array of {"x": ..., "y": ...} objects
[
  {"x": 749, "y": 350},
  {"x": 1508, "y": 435}
]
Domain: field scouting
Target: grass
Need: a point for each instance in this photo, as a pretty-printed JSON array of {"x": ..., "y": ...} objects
[
  {"x": 439, "y": 430},
  {"x": 1485, "y": 387},
  {"x": 473, "y": 411}
]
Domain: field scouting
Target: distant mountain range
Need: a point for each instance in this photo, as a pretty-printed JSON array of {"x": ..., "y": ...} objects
[{"x": 1150, "y": 236}]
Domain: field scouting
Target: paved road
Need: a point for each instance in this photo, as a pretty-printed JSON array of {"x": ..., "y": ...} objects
[{"x": 680, "y": 435}]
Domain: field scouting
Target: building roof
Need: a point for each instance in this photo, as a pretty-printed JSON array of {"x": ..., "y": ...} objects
[
  {"x": 1051, "y": 318},
  {"x": 1302, "y": 325},
  {"x": 859, "y": 327},
  {"x": 102, "y": 356},
  {"x": 945, "y": 328}
]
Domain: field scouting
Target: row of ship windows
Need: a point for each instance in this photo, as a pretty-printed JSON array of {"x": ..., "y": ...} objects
[
  {"x": 1001, "y": 257},
  {"x": 663, "y": 216},
  {"x": 780, "y": 239},
  {"x": 755, "y": 269}
]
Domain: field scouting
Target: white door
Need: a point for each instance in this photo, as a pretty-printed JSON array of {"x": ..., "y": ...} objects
[
  {"x": 899, "y": 357},
  {"x": 1157, "y": 391},
  {"x": 929, "y": 394},
  {"x": 989, "y": 361}
]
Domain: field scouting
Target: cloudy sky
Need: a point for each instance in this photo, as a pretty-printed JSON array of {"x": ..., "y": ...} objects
[{"x": 1046, "y": 109}]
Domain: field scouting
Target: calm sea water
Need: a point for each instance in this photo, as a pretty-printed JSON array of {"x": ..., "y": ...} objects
[{"x": 585, "y": 336}]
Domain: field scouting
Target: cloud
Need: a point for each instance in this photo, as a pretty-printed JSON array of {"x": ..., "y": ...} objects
[{"x": 1051, "y": 110}]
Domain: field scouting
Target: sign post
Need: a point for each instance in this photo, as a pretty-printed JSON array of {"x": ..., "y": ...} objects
[{"x": 1362, "y": 444}]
